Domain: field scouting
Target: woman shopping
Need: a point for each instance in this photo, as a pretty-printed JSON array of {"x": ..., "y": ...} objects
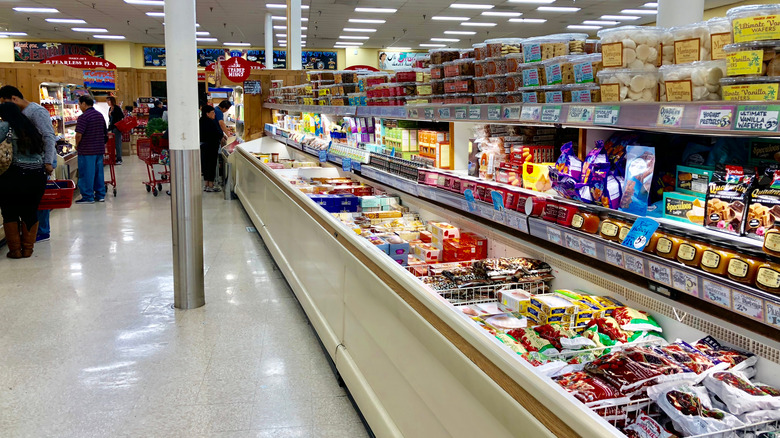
[
  {"x": 23, "y": 184},
  {"x": 210, "y": 137}
]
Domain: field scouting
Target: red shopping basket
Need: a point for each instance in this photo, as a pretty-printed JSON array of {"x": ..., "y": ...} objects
[
  {"x": 127, "y": 124},
  {"x": 58, "y": 194}
]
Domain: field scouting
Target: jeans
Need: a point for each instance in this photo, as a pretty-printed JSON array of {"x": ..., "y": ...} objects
[
  {"x": 43, "y": 215},
  {"x": 118, "y": 143},
  {"x": 92, "y": 183}
]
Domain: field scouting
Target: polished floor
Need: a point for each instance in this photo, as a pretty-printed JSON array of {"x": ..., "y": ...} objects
[{"x": 90, "y": 345}]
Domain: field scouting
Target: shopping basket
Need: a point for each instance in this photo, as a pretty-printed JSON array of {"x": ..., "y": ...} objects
[
  {"x": 58, "y": 194},
  {"x": 127, "y": 124}
]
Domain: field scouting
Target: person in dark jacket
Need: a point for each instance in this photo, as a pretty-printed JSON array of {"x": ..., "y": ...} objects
[
  {"x": 115, "y": 114},
  {"x": 157, "y": 111},
  {"x": 210, "y": 137}
]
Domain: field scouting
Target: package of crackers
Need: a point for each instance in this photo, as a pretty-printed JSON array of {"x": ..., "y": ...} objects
[
  {"x": 764, "y": 205},
  {"x": 727, "y": 199}
]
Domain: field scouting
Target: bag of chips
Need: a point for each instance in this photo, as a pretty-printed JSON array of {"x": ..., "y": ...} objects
[
  {"x": 590, "y": 389},
  {"x": 737, "y": 360},
  {"x": 695, "y": 360},
  {"x": 632, "y": 320},
  {"x": 739, "y": 395},
  {"x": 623, "y": 372}
]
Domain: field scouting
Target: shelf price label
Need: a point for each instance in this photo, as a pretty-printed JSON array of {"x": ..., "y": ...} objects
[
  {"x": 471, "y": 204},
  {"x": 531, "y": 113},
  {"x": 757, "y": 118},
  {"x": 635, "y": 264},
  {"x": 554, "y": 236},
  {"x": 670, "y": 116},
  {"x": 589, "y": 248},
  {"x": 512, "y": 113},
  {"x": 428, "y": 113},
  {"x": 685, "y": 282},
  {"x": 494, "y": 112},
  {"x": 639, "y": 235},
  {"x": 356, "y": 166},
  {"x": 614, "y": 257},
  {"x": 323, "y": 156},
  {"x": 773, "y": 314},
  {"x": 461, "y": 113},
  {"x": 606, "y": 115},
  {"x": 572, "y": 242},
  {"x": 716, "y": 293},
  {"x": 444, "y": 113},
  {"x": 475, "y": 113},
  {"x": 661, "y": 274},
  {"x": 346, "y": 164},
  {"x": 715, "y": 117},
  {"x": 412, "y": 113},
  {"x": 580, "y": 114},
  {"x": 551, "y": 114},
  {"x": 747, "y": 305}
]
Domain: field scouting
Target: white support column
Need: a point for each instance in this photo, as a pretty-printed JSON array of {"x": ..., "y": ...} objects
[
  {"x": 679, "y": 12},
  {"x": 269, "y": 41},
  {"x": 294, "y": 60},
  {"x": 186, "y": 209}
]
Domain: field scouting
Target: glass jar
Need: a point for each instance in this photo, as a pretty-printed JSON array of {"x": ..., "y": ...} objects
[
  {"x": 690, "y": 251},
  {"x": 650, "y": 248},
  {"x": 768, "y": 276},
  {"x": 610, "y": 228},
  {"x": 715, "y": 259},
  {"x": 772, "y": 240},
  {"x": 743, "y": 267},
  {"x": 668, "y": 246},
  {"x": 587, "y": 220},
  {"x": 624, "y": 229}
]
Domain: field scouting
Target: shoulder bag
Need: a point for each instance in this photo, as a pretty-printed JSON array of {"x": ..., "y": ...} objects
[{"x": 6, "y": 151}]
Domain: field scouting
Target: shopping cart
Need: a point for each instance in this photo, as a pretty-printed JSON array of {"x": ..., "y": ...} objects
[
  {"x": 109, "y": 158},
  {"x": 150, "y": 155}
]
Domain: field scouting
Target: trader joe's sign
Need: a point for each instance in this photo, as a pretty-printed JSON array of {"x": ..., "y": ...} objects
[{"x": 36, "y": 52}]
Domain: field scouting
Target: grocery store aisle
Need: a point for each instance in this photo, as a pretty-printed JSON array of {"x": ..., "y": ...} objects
[{"x": 90, "y": 345}]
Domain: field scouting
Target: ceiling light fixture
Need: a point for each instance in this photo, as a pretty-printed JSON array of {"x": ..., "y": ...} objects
[
  {"x": 469, "y": 23},
  {"x": 398, "y": 48},
  {"x": 206, "y": 39},
  {"x": 459, "y": 32},
  {"x": 10, "y": 34},
  {"x": 38, "y": 10},
  {"x": 348, "y": 43},
  {"x": 533, "y": 1},
  {"x": 620, "y": 17},
  {"x": 501, "y": 14},
  {"x": 285, "y": 27},
  {"x": 366, "y": 20},
  {"x": 446, "y": 40},
  {"x": 650, "y": 5},
  {"x": 279, "y": 17},
  {"x": 281, "y": 35},
  {"x": 639, "y": 11},
  {"x": 601, "y": 22},
  {"x": 146, "y": 2},
  {"x": 282, "y": 6},
  {"x": 433, "y": 45},
  {"x": 377, "y": 10},
  {"x": 358, "y": 29},
  {"x": 156, "y": 14},
  {"x": 109, "y": 37},
  {"x": 196, "y": 24},
  {"x": 202, "y": 33},
  {"x": 528, "y": 20},
  {"x": 557, "y": 9},
  {"x": 470, "y": 6},
  {"x": 353, "y": 37},
  {"x": 88, "y": 29},
  {"x": 583, "y": 27},
  {"x": 446, "y": 18},
  {"x": 236, "y": 44},
  {"x": 66, "y": 20}
]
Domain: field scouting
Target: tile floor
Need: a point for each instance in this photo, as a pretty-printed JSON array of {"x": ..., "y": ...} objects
[{"x": 91, "y": 347}]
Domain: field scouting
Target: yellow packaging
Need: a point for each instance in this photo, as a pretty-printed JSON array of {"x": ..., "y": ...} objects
[
  {"x": 536, "y": 176},
  {"x": 553, "y": 304},
  {"x": 745, "y": 62},
  {"x": 750, "y": 92},
  {"x": 383, "y": 214}
]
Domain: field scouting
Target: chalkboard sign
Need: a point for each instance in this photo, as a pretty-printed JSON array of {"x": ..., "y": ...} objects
[{"x": 253, "y": 87}]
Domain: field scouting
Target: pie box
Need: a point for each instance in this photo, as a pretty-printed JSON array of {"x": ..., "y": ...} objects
[
  {"x": 479, "y": 242},
  {"x": 483, "y": 192},
  {"x": 427, "y": 253},
  {"x": 508, "y": 165},
  {"x": 456, "y": 184},
  {"x": 363, "y": 191},
  {"x": 511, "y": 177},
  {"x": 468, "y": 184},
  {"x": 455, "y": 250},
  {"x": 445, "y": 181},
  {"x": 442, "y": 231},
  {"x": 425, "y": 236},
  {"x": 427, "y": 177}
]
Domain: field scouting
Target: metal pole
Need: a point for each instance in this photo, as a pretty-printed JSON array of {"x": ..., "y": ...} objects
[
  {"x": 186, "y": 208},
  {"x": 269, "y": 41},
  {"x": 294, "y": 59},
  {"x": 678, "y": 13}
]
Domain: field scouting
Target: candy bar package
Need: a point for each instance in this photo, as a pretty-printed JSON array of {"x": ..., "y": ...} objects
[
  {"x": 596, "y": 160},
  {"x": 763, "y": 204},
  {"x": 691, "y": 411},
  {"x": 590, "y": 389},
  {"x": 640, "y": 164},
  {"x": 737, "y": 360},
  {"x": 645, "y": 427},
  {"x": 727, "y": 197},
  {"x": 568, "y": 163},
  {"x": 635, "y": 320},
  {"x": 739, "y": 395}
]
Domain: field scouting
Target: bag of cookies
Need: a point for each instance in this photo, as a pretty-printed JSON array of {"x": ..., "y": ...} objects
[
  {"x": 764, "y": 205},
  {"x": 727, "y": 197}
]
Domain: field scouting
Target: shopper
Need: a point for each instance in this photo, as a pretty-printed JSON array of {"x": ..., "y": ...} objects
[
  {"x": 23, "y": 184},
  {"x": 115, "y": 114},
  {"x": 219, "y": 116},
  {"x": 210, "y": 136},
  {"x": 157, "y": 111},
  {"x": 91, "y": 136}
]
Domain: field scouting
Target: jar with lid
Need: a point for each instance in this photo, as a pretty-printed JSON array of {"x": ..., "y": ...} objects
[
  {"x": 690, "y": 251},
  {"x": 743, "y": 267},
  {"x": 650, "y": 248},
  {"x": 768, "y": 276},
  {"x": 587, "y": 220},
  {"x": 772, "y": 240},
  {"x": 623, "y": 232},
  {"x": 716, "y": 258},
  {"x": 610, "y": 227},
  {"x": 668, "y": 245}
]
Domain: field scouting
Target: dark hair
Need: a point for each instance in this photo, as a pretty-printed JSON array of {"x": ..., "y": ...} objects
[
  {"x": 383, "y": 53},
  {"x": 158, "y": 103},
  {"x": 205, "y": 109},
  {"x": 86, "y": 99},
  {"x": 9, "y": 91},
  {"x": 111, "y": 100},
  {"x": 28, "y": 139},
  {"x": 129, "y": 108},
  {"x": 225, "y": 104}
]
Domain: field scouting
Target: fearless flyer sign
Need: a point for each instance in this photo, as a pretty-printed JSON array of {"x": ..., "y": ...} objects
[
  {"x": 237, "y": 69},
  {"x": 80, "y": 61}
]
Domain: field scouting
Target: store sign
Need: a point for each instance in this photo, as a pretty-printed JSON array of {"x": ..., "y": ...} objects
[
  {"x": 201, "y": 76},
  {"x": 100, "y": 79},
  {"x": 253, "y": 87},
  {"x": 80, "y": 61},
  {"x": 155, "y": 56},
  {"x": 237, "y": 69},
  {"x": 36, "y": 52},
  {"x": 208, "y": 56},
  {"x": 399, "y": 60}
]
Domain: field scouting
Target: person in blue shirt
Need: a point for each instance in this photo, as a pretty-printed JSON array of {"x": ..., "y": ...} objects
[{"x": 219, "y": 116}]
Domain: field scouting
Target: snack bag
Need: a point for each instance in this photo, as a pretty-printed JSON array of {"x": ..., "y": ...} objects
[
  {"x": 596, "y": 159},
  {"x": 667, "y": 366},
  {"x": 764, "y": 205},
  {"x": 512, "y": 344},
  {"x": 568, "y": 163},
  {"x": 737, "y": 360},
  {"x": 739, "y": 395},
  {"x": 599, "y": 339},
  {"x": 695, "y": 360},
  {"x": 640, "y": 162},
  {"x": 532, "y": 342},
  {"x": 610, "y": 327},
  {"x": 645, "y": 427},
  {"x": 727, "y": 196},
  {"x": 690, "y": 414},
  {"x": 633, "y": 320},
  {"x": 590, "y": 389},
  {"x": 623, "y": 372}
]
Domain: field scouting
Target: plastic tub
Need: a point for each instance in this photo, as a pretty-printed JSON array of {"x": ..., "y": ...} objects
[
  {"x": 720, "y": 35},
  {"x": 514, "y": 81},
  {"x": 496, "y": 98},
  {"x": 543, "y": 48},
  {"x": 459, "y": 98},
  {"x": 626, "y": 85},
  {"x": 744, "y": 53},
  {"x": 576, "y": 42},
  {"x": 697, "y": 81},
  {"x": 479, "y": 69},
  {"x": 495, "y": 66},
  {"x": 514, "y": 97},
  {"x": 634, "y": 47},
  {"x": 692, "y": 43},
  {"x": 513, "y": 61},
  {"x": 581, "y": 69},
  {"x": 532, "y": 95},
  {"x": 480, "y": 98},
  {"x": 496, "y": 84},
  {"x": 534, "y": 74},
  {"x": 480, "y": 51},
  {"x": 553, "y": 72},
  {"x": 460, "y": 84},
  {"x": 754, "y": 23},
  {"x": 497, "y": 47},
  {"x": 437, "y": 72},
  {"x": 463, "y": 67},
  {"x": 759, "y": 88},
  {"x": 440, "y": 56},
  {"x": 437, "y": 86},
  {"x": 581, "y": 93},
  {"x": 552, "y": 93},
  {"x": 480, "y": 85}
]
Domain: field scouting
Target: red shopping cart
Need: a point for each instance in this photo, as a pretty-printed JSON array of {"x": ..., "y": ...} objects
[
  {"x": 151, "y": 156},
  {"x": 109, "y": 158}
]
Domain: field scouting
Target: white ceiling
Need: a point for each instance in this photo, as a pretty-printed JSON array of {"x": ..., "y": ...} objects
[{"x": 242, "y": 20}]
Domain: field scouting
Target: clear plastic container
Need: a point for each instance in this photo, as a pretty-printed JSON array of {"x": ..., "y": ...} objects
[
  {"x": 480, "y": 85},
  {"x": 581, "y": 93},
  {"x": 534, "y": 74},
  {"x": 552, "y": 93},
  {"x": 758, "y": 88},
  {"x": 553, "y": 70},
  {"x": 543, "y": 48},
  {"x": 496, "y": 98},
  {"x": 496, "y": 84},
  {"x": 479, "y": 69},
  {"x": 480, "y": 98},
  {"x": 744, "y": 53},
  {"x": 480, "y": 51},
  {"x": 532, "y": 95},
  {"x": 692, "y": 43},
  {"x": 460, "y": 84},
  {"x": 514, "y": 97},
  {"x": 577, "y": 42},
  {"x": 754, "y": 23},
  {"x": 459, "y": 98},
  {"x": 495, "y": 66},
  {"x": 634, "y": 47},
  {"x": 514, "y": 81},
  {"x": 581, "y": 69},
  {"x": 437, "y": 72},
  {"x": 513, "y": 61},
  {"x": 720, "y": 36},
  {"x": 459, "y": 67},
  {"x": 440, "y": 56},
  {"x": 626, "y": 85},
  {"x": 497, "y": 47},
  {"x": 697, "y": 81}
]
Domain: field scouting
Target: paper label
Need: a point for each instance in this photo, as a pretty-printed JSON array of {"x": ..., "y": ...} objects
[
  {"x": 573, "y": 242},
  {"x": 554, "y": 235},
  {"x": 577, "y": 221},
  {"x": 746, "y": 62},
  {"x": 580, "y": 114},
  {"x": 412, "y": 113},
  {"x": 685, "y": 282},
  {"x": 553, "y": 96},
  {"x": 718, "y": 40},
  {"x": 756, "y": 28},
  {"x": 475, "y": 113},
  {"x": 670, "y": 115},
  {"x": 429, "y": 113},
  {"x": 715, "y": 117},
  {"x": 609, "y": 229},
  {"x": 589, "y": 248},
  {"x": 346, "y": 164},
  {"x": 583, "y": 73},
  {"x": 679, "y": 91},
  {"x": 635, "y": 264},
  {"x": 768, "y": 278},
  {"x": 660, "y": 274},
  {"x": 750, "y": 92},
  {"x": 738, "y": 268},
  {"x": 551, "y": 114},
  {"x": 606, "y": 115},
  {"x": 710, "y": 259},
  {"x": 772, "y": 313},
  {"x": 531, "y": 113},
  {"x": 444, "y": 113},
  {"x": 614, "y": 257},
  {"x": 532, "y": 52},
  {"x": 530, "y": 97},
  {"x": 553, "y": 74},
  {"x": 757, "y": 118},
  {"x": 461, "y": 113},
  {"x": 581, "y": 96},
  {"x": 686, "y": 252},
  {"x": 715, "y": 293},
  {"x": 531, "y": 77},
  {"x": 512, "y": 113},
  {"x": 494, "y": 112},
  {"x": 748, "y": 305},
  {"x": 772, "y": 242},
  {"x": 323, "y": 156},
  {"x": 612, "y": 54},
  {"x": 686, "y": 51},
  {"x": 664, "y": 246},
  {"x": 610, "y": 92}
]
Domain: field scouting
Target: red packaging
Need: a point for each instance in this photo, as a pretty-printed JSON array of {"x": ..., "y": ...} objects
[
  {"x": 566, "y": 213},
  {"x": 479, "y": 242},
  {"x": 535, "y": 206},
  {"x": 551, "y": 211},
  {"x": 455, "y": 250},
  {"x": 510, "y": 200},
  {"x": 467, "y": 184},
  {"x": 426, "y": 236},
  {"x": 588, "y": 388},
  {"x": 456, "y": 184},
  {"x": 405, "y": 76},
  {"x": 437, "y": 72},
  {"x": 483, "y": 192}
]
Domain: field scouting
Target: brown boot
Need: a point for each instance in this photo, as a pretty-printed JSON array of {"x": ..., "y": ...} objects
[
  {"x": 13, "y": 240},
  {"x": 28, "y": 239}
]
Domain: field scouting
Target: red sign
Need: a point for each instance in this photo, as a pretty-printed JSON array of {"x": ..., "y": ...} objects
[
  {"x": 201, "y": 76},
  {"x": 256, "y": 65},
  {"x": 237, "y": 69},
  {"x": 80, "y": 61},
  {"x": 362, "y": 67},
  {"x": 211, "y": 66}
]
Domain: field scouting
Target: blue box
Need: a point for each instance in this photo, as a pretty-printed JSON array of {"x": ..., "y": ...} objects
[
  {"x": 399, "y": 249},
  {"x": 402, "y": 260}
]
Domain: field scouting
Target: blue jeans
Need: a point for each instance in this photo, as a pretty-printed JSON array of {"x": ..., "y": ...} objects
[{"x": 92, "y": 183}]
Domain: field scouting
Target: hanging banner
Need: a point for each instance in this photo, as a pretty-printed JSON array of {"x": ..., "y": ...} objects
[
  {"x": 154, "y": 56},
  {"x": 398, "y": 60},
  {"x": 80, "y": 61},
  {"x": 316, "y": 60},
  {"x": 100, "y": 79},
  {"x": 280, "y": 60},
  {"x": 208, "y": 56},
  {"x": 27, "y": 51},
  {"x": 237, "y": 69}
]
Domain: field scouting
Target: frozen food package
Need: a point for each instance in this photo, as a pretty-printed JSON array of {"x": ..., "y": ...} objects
[
  {"x": 644, "y": 426},
  {"x": 689, "y": 412},
  {"x": 739, "y": 395},
  {"x": 590, "y": 389},
  {"x": 737, "y": 360},
  {"x": 635, "y": 320},
  {"x": 692, "y": 358}
]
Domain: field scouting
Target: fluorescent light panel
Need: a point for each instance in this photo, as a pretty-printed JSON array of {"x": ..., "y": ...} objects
[
  {"x": 66, "y": 20},
  {"x": 236, "y": 44},
  {"x": 459, "y": 32},
  {"x": 377, "y": 10},
  {"x": 447, "y": 18},
  {"x": 620, "y": 17},
  {"x": 557, "y": 9},
  {"x": 547, "y": 2},
  {"x": 583, "y": 27},
  {"x": 398, "y": 48},
  {"x": 282, "y": 6},
  {"x": 353, "y": 37},
  {"x": 501, "y": 14},
  {"x": 446, "y": 40},
  {"x": 366, "y": 20},
  {"x": 155, "y": 14},
  {"x": 470, "y": 6},
  {"x": 639, "y": 11},
  {"x": 469, "y": 23},
  {"x": 37, "y": 10},
  {"x": 109, "y": 37},
  {"x": 204, "y": 39},
  {"x": 285, "y": 27},
  {"x": 601, "y": 22},
  {"x": 202, "y": 33},
  {"x": 7, "y": 34},
  {"x": 650, "y": 5},
  {"x": 279, "y": 17},
  {"x": 88, "y": 29},
  {"x": 433, "y": 45},
  {"x": 348, "y": 43},
  {"x": 358, "y": 29},
  {"x": 146, "y": 2},
  {"x": 528, "y": 20}
]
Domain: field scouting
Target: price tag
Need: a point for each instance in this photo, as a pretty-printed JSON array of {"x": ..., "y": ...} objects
[
  {"x": 747, "y": 305},
  {"x": 512, "y": 113},
  {"x": 444, "y": 113},
  {"x": 614, "y": 257},
  {"x": 757, "y": 118},
  {"x": 635, "y": 264},
  {"x": 572, "y": 242},
  {"x": 461, "y": 113},
  {"x": 346, "y": 164},
  {"x": 660, "y": 274},
  {"x": 323, "y": 155},
  {"x": 589, "y": 247},
  {"x": 428, "y": 112},
  {"x": 531, "y": 113},
  {"x": 606, "y": 115},
  {"x": 670, "y": 116},
  {"x": 639, "y": 235},
  {"x": 715, "y": 117},
  {"x": 716, "y": 293},
  {"x": 551, "y": 114},
  {"x": 685, "y": 282},
  {"x": 494, "y": 112},
  {"x": 772, "y": 314},
  {"x": 513, "y": 220},
  {"x": 499, "y": 216},
  {"x": 486, "y": 211},
  {"x": 580, "y": 114},
  {"x": 475, "y": 113},
  {"x": 554, "y": 235},
  {"x": 412, "y": 113},
  {"x": 356, "y": 166}
]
